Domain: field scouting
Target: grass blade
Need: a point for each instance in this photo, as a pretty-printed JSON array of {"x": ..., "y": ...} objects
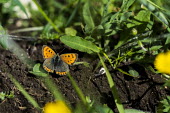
[
  {"x": 19, "y": 4},
  {"x": 77, "y": 89},
  {"x": 113, "y": 87},
  {"x": 45, "y": 16},
  {"x": 24, "y": 92},
  {"x": 88, "y": 19},
  {"x": 49, "y": 83}
]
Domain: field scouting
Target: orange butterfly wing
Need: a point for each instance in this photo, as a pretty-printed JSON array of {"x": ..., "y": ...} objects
[
  {"x": 69, "y": 58},
  {"x": 47, "y": 52}
]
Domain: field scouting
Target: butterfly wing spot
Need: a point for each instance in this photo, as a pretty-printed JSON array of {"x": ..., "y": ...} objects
[
  {"x": 69, "y": 58},
  {"x": 47, "y": 52},
  {"x": 47, "y": 55},
  {"x": 50, "y": 51},
  {"x": 48, "y": 70},
  {"x": 61, "y": 73}
]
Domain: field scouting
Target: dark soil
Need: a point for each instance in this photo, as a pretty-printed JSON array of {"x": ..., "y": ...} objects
[{"x": 142, "y": 93}]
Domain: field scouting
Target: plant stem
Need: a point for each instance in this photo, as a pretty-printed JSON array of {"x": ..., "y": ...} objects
[
  {"x": 24, "y": 92},
  {"x": 52, "y": 88},
  {"x": 113, "y": 87},
  {"x": 45, "y": 16},
  {"x": 77, "y": 89},
  {"x": 155, "y": 5}
]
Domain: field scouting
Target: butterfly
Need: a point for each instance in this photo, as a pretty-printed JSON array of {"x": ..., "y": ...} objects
[{"x": 58, "y": 63}]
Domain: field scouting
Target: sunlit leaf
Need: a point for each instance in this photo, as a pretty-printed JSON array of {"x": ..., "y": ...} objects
[
  {"x": 80, "y": 44},
  {"x": 70, "y": 31},
  {"x": 87, "y": 16}
]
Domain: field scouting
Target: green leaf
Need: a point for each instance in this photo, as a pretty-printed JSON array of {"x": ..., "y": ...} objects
[
  {"x": 86, "y": 64},
  {"x": 72, "y": 16},
  {"x": 4, "y": 1},
  {"x": 10, "y": 95},
  {"x": 166, "y": 104},
  {"x": 155, "y": 48},
  {"x": 70, "y": 31},
  {"x": 162, "y": 18},
  {"x": 142, "y": 17},
  {"x": 125, "y": 15},
  {"x": 102, "y": 109},
  {"x": 36, "y": 71},
  {"x": 3, "y": 38},
  {"x": 87, "y": 16},
  {"x": 36, "y": 68},
  {"x": 124, "y": 72},
  {"x": 134, "y": 111},
  {"x": 80, "y": 44},
  {"x": 133, "y": 72},
  {"x": 19, "y": 4},
  {"x": 141, "y": 22},
  {"x": 126, "y": 4},
  {"x": 39, "y": 74},
  {"x": 167, "y": 40},
  {"x": 2, "y": 95}
]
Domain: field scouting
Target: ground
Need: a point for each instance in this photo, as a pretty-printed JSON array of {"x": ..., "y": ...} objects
[{"x": 143, "y": 93}]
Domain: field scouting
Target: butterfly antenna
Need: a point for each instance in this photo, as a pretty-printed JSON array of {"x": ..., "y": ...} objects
[{"x": 61, "y": 50}]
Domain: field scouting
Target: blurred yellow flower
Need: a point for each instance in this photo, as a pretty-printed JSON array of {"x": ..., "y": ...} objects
[
  {"x": 162, "y": 62},
  {"x": 56, "y": 107}
]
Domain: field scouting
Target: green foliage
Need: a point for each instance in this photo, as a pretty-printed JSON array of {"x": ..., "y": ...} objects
[
  {"x": 102, "y": 109},
  {"x": 3, "y": 38},
  {"x": 38, "y": 71},
  {"x": 143, "y": 17},
  {"x": 6, "y": 95},
  {"x": 134, "y": 111},
  {"x": 157, "y": 11},
  {"x": 126, "y": 4},
  {"x": 166, "y": 104},
  {"x": 133, "y": 72},
  {"x": 70, "y": 31},
  {"x": 112, "y": 86},
  {"x": 4, "y": 1},
  {"x": 93, "y": 108},
  {"x": 18, "y": 4},
  {"x": 80, "y": 44},
  {"x": 89, "y": 23},
  {"x": 120, "y": 32},
  {"x": 9, "y": 10},
  {"x": 84, "y": 63},
  {"x": 24, "y": 92},
  {"x": 49, "y": 36}
]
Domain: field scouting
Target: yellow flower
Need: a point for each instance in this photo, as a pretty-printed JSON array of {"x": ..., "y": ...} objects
[
  {"x": 56, "y": 107},
  {"x": 162, "y": 62}
]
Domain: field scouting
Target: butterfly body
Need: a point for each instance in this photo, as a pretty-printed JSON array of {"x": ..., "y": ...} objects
[{"x": 58, "y": 63}]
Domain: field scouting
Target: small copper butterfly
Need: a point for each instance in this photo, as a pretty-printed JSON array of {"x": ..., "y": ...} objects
[{"x": 58, "y": 63}]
